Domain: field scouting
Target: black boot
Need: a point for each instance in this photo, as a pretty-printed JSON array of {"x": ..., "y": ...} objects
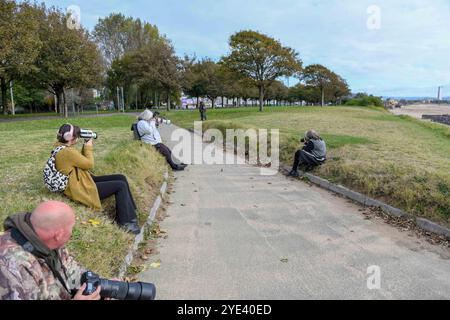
[
  {"x": 178, "y": 168},
  {"x": 294, "y": 174},
  {"x": 131, "y": 227}
]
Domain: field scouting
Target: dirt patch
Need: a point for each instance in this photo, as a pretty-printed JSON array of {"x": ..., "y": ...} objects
[{"x": 418, "y": 110}]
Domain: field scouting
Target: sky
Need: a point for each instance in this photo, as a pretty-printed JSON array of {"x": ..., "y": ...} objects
[{"x": 390, "y": 48}]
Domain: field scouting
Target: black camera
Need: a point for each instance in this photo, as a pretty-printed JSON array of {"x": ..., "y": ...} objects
[
  {"x": 88, "y": 134},
  {"x": 118, "y": 290}
]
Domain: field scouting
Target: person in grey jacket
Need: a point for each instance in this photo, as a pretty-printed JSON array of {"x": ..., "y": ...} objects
[{"x": 313, "y": 153}]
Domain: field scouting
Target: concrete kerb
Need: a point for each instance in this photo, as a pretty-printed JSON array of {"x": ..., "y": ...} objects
[
  {"x": 422, "y": 223},
  {"x": 140, "y": 237}
]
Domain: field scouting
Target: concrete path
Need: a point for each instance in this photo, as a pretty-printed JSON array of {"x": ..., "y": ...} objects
[{"x": 233, "y": 234}]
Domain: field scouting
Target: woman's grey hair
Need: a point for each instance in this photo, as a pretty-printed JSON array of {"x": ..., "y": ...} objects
[
  {"x": 147, "y": 115},
  {"x": 312, "y": 135}
]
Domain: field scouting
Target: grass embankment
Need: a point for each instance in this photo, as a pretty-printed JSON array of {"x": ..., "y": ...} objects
[
  {"x": 96, "y": 242},
  {"x": 397, "y": 159}
]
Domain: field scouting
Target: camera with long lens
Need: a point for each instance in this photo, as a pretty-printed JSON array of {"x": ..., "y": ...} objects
[
  {"x": 160, "y": 120},
  {"x": 88, "y": 134},
  {"x": 163, "y": 121},
  {"x": 118, "y": 290}
]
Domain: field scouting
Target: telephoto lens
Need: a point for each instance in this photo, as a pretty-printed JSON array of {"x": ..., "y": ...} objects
[
  {"x": 88, "y": 134},
  {"x": 118, "y": 290}
]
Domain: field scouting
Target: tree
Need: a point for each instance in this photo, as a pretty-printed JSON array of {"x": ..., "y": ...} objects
[
  {"x": 211, "y": 77},
  {"x": 277, "y": 91},
  {"x": 68, "y": 57},
  {"x": 19, "y": 43},
  {"x": 332, "y": 87},
  {"x": 319, "y": 77},
  {"x": 117, "y": 35},
  {"x": 262, "y": 59},
  {"x": 193, "y": 81},
  {"x": 155, "y": 66},
  {"x": 340, "y": 89}
]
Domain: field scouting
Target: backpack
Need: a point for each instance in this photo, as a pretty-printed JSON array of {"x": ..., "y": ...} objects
[
  {"x": 134, "y": 128},
  {"x": 54, "y": 180}
]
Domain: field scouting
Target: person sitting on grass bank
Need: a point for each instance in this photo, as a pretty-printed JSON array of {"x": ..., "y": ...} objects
[
  {"x": 312, "y": 154},
  {"x": 34, "y": 265},
  {"x": 88, "y": 189},
  {"x": 149, "y": 134}
]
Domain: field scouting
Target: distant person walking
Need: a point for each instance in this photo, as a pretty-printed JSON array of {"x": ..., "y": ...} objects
[{"x": 202, "y": 111}]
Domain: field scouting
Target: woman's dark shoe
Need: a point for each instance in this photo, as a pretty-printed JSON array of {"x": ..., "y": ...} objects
[
  {"x": 178, "y": 168},
  {"x": 294, "y": 174},
  {"x": 131, "y": 227}
]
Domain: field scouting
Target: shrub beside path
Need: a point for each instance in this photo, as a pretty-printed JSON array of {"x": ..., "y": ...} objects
[{"x": 234, "y": 234}]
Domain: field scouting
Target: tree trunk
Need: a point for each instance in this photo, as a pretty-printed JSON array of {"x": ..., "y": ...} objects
[
  {"x": 323, "y": 97},
  {"x": 168, "y": 100},
  {"x": 213, "y": 103},
  {"x": 198, "y": 102},
  {"x": 223, "y": 98},
  {"x": 261, "y": 98},
  {"x": 58, "y": 95},
  {"x": 4, "y": 89},
  {"x": 66, "y": 111}
]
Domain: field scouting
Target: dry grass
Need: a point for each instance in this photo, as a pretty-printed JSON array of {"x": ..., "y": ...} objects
[{"x": 24, "y": 150}]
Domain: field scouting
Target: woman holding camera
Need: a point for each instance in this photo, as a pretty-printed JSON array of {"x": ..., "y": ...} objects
[
  {"x": 88, "y": 189},
  {"x": 148, "y": 131},
  {"x": 313, "y": 153}
]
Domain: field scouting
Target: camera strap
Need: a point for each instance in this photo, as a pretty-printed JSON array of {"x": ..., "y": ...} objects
[{"x": 28, "y": 246}]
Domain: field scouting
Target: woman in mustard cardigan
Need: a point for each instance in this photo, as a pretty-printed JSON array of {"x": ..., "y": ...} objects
[{"x": 87, "y": 188}]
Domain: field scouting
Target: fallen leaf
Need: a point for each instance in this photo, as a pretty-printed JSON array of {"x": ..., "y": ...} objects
[
  {"x": 94, "y": 222},
  {"x": 183, "y": 205},
  {"x": 165, "y": 237},
  {"x": 284, "y": 260},
  {"x": 155, "y": 265},
  {"x": 144, "y": 257},
  {"x": 148, "y": 251}
]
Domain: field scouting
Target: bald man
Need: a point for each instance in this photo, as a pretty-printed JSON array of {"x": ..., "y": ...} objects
[{"x": 34, "y": 265}]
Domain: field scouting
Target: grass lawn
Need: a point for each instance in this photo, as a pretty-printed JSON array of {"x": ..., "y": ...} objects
[
  {"x": 96, "y": 242},
  {"x": 397, "y": 159}
]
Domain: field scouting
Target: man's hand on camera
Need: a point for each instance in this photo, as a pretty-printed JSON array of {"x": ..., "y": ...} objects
[{"x": 94, "y": 296}]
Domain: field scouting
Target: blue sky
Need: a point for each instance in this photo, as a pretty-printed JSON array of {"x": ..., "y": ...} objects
[{"x": 402, "y": 51}]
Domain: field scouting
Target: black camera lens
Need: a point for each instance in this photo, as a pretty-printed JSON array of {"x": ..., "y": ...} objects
[
  {"x": 119, "y": 290},
  {"x": 127, "y": 291}
]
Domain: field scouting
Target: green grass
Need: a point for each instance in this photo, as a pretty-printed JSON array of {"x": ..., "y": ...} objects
[
  {"x": 397, "y": 159},
  {"x": 24, "y": 150}
]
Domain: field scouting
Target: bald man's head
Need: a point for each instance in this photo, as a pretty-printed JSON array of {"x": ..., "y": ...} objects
[{"x": 53, "y": 222}]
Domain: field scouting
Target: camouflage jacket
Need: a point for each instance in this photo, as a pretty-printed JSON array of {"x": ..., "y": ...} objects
[{"x": 25, "y": 277}]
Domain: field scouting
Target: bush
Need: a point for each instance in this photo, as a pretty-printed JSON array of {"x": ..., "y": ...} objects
[{"x": 365, "y": 101}]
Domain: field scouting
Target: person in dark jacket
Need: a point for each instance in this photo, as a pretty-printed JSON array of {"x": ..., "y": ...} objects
[
  {"x": 313, "y": 153},
  {"x": 202, "y": 111}
]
